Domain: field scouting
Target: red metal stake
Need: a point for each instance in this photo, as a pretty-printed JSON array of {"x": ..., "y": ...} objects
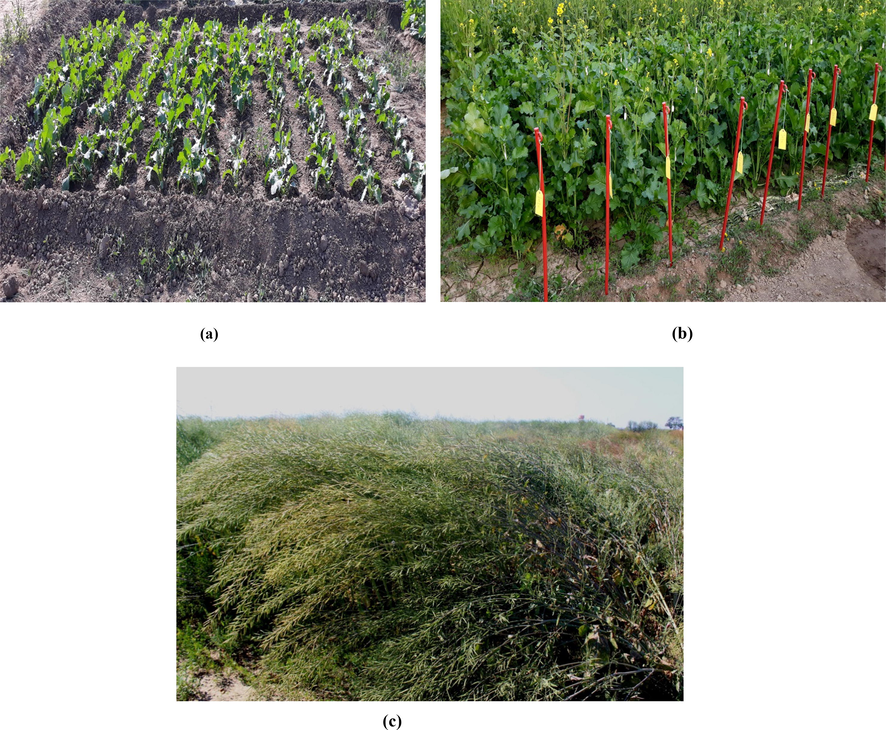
[
  {"x": 664, "y": 111},
  {"x": 809, "y": 77},
  {"x": 544, "y": 211},
  {"x": 871, "y": 143},
  {"x": 772, "y": 149},
  {"x": 828, "y": 146},
  {"x": 741, "y": 107},
  {"x": 608, "y": 184}
]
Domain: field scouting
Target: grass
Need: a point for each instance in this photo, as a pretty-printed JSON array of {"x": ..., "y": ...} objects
[
  {"x": 387, "y": 558},
  {"x": 735, "y": 261}
]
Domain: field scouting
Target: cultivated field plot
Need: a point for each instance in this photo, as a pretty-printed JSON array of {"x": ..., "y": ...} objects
[
  {"x": 215, "y": 151},
  {"x": 382, "y": 557},
  {"x": 596, "y": 80}
]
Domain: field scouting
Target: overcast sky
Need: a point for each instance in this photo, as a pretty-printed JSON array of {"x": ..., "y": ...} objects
[{"x": 610, "y": 395}]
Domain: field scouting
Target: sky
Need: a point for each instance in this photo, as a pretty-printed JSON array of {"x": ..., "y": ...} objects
[{"x": 609, "y": 395}]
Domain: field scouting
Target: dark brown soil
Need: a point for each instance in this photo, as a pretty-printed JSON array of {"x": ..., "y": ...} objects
[
  {"x": 137, "y": 243},
  {"x": 220, "y": 247},
  {"x": 867, "y": 244}
]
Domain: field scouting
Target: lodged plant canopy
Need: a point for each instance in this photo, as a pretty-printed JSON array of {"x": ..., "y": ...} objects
[{"x": 382, "y": 557}]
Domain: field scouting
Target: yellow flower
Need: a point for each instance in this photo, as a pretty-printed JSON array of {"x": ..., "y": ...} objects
[
  {"x": 560, "y": 9},
  {"x": 710, "y": 53},
  {"x": 514, "y": 29},
  {"x": 550, "y": 21}
]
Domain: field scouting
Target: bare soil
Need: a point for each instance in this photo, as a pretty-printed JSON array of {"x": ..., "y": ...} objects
[
  {"x": 32, "y": 9},
  {"x": 828, "y": 271},
  {"x": 224, "y": 687},
  {"x": 99, "y": 243}
]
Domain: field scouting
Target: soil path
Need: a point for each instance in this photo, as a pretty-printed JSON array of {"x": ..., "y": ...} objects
[{"x": 828, "y": 270}]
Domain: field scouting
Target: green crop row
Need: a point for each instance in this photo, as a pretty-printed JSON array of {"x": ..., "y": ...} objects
[
  {"x": 86, "y": 151},
  {"x": 183, "y": 70},
  {"x": 240, "y": 51},
  {"x": 335, "y": 59},
  {"x": 172, "y": 103},
  {"x": 280, "y": 170},
  {"x": 197, "y": 156},
  {"x": 322, "y": 155},
  {"x": 567, "y": 78},
  {"x": 377, "y": 97},
  {"x": 121, "y": 140},
  {"x": 73, "y": 77},
  {"x": 59, "y": 91}
]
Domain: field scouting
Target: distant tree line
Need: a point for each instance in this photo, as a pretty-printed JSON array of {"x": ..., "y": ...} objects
[
  {"x": 642, "y": 426},
  {"x": 673, "y": 422}
]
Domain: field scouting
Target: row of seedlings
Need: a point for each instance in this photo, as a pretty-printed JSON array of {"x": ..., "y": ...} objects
[
  {"x": 352, "y": 117},
  {"x": 322, "y": 154},
  {"x": 172, "y": 102},
  {"x": 377, "y": 96},
  {"x": 197, "y": 156},
  {"x": 240, "y": 50},
  {"x": 86, "y": 151},
  {"x": 59, "y": 91},
  {"x": 121, "y": 141},
  {"x": 280, "y": 170}
]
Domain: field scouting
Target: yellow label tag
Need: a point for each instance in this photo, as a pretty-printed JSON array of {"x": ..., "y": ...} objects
[
  {"x": 873, "y": 115},
  {"x": 782, "y": 140},
  {"x": 807, "y": 122},
  {"x": 610, "y": 184},
  {"x": 668, "y": 168},
  {"x": 539, "y": 202},
  {"x": 833, "y": 117},
  {"x": 739, "y": 163}
]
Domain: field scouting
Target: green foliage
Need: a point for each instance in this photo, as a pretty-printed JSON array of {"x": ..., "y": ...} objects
[
  {"x": 238, "y": 162},
  {"x": 42, "y": 146},
  {"x": 184, "y": 65},
  {"x": 377, "y": 97},
  {"x": 280, "y": 171},
  {"x": 382, "y": 557},
  {"x": 173, "y": 102},
  {"x": 413, "y": 19},
  {"x": 510, "y": 70},
  {"x": 240, "y": 51}
]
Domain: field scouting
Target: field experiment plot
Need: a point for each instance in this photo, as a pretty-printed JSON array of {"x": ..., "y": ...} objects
[
  {"x": 227, "y": 151},
  {"x": 386, "y": 558},
  {"x": 513, "y": 65}
]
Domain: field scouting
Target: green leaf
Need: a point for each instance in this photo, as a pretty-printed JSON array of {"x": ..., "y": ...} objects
[{"x": 473, "y": 120}]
